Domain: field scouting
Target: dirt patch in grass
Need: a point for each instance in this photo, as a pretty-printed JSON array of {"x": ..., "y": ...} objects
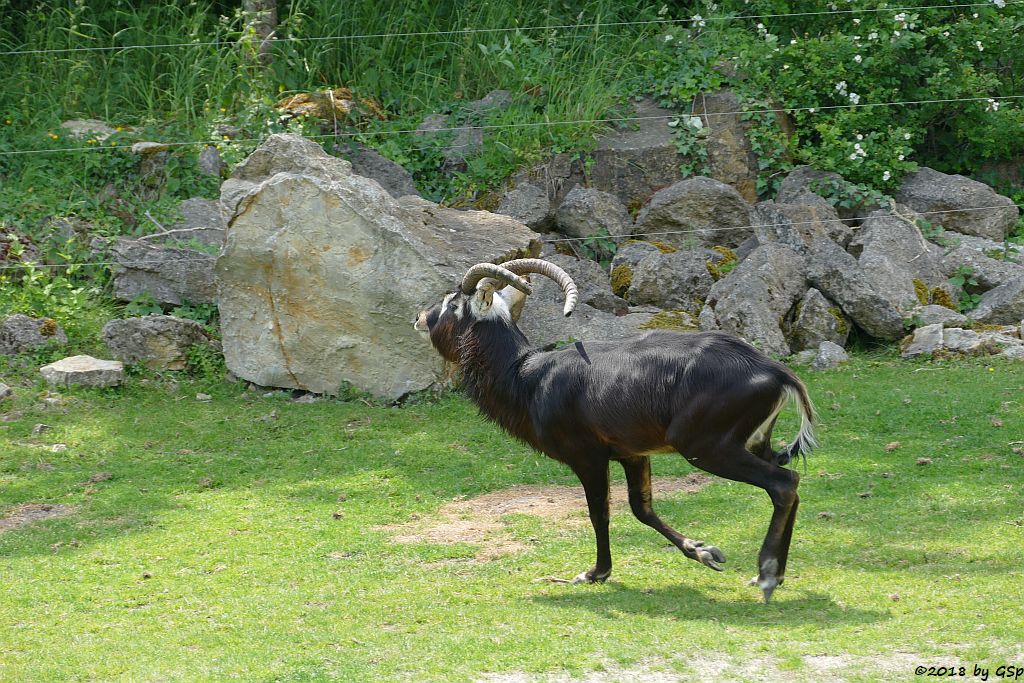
[
  {"x": 22, "y": 515},
  {"x": 479, "y": 521}
]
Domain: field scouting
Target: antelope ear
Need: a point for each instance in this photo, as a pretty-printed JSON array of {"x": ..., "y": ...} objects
[{"x": 515, "y": 300}]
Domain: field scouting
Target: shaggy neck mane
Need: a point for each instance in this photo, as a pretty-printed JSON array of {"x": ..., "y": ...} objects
[{"x": 491, "y": 357}]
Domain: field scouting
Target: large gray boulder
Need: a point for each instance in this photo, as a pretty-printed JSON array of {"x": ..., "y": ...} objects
[
  {"x": 697, "y": 210},
  {"x": 586, "y": 211},
  {"x": 797, "y": 225},
  {"x": 544, "y": 325},
  {"x": 896, "y": 260},
  {"x": 322, "y": 272},
  {"x": 160, "y": 342},
  {"x": 20, "y": 333},
  {"x": 987, "y": 271},
  {"x": 676, "y": 280},
  {"x": 753, "y": 299},
  {"x": 370, "y": 163},
  {"x": 731, "y": 157},
  {"x": 591, "y": 279},
  {"x": 828, "y": 186},
  {"x": 528, "y": 203},
  {"x": 817, "y": 320},
  {"x": 1003, "y": 305},
  {"x": 966, "y": 205},
  {"x": 171, "y": 275},
  {"x": 837, "y": 275}
]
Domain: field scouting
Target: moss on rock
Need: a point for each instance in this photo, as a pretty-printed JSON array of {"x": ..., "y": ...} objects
[
  {"x": 622, "y": 278},
  {"x": 671, "y": 320}
]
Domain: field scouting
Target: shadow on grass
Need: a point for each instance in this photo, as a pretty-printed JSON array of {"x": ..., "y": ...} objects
[{"x": 681, "y": 602}]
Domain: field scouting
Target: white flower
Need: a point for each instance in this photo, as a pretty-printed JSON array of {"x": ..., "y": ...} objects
[
  {"x": 669, "y": 37},
  {"x": 873, "y": 35},
  {"x": 811, "y": 110},
  {"x": 886, "y": 175},
  {"x": 906, "y": 136},
  {"x": 856, "y": 22},
  {"x": 902, "y": 16},
  {"x": 841, "y": 87},
  {"x": 785, "y": 66},
  {"x": 978, "y": 45},
  {"x": 673, "y": 123},
  {"x": 854, "y": 98},
  {"x": 698, "y": 19},
  {"x": 859, "y": 136},
  {"x": 1001, "y": 4},
  {"x": 945, "y": 34},
  {"x": 858, "y": 59},
  {"x": 853, "y": 157},
  {"x": 896, "y": 33},
  {"x": 793, "y": 42},
  {"x": 695, "y": 122},
  {"x": 993, "y": 105},
  {"x": 901, "y": 157},
  {"x": 663, "y": 11}
]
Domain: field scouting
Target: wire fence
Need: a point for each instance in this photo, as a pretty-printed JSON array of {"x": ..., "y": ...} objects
[
  {"x": 694, "y": 20},
  {"x": 198, "y": 257}
]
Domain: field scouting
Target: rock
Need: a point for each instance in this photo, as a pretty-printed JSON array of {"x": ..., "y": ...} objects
[
  {"x": 746, "y": 248},
  {"x": 432, "y": 123},
  {"x": 585, "y": 212},
  {"x": 528, "y": 203},
  {"x": 797, "y": 225},
  {"x": 590, "y": 278},
  {"x": 677, "y": 280},
  {"x": 923, "y": 316},
  {"x": 988, "y": 272},
  {"x": 837, "y": 275},
  {"x": 730, "y": 156},
  {"x": 160, "y": 342},
  {"x": 804, "y": 180},
  {"x": 698, "y": 210},
  {"x": 5, "y": 392},
  {"x": 805, "y": 357},
  {"x": 468, "y": 142},
  {"x": 88, "y": 128},
  {"x": 961, "y": 341},
  {"x": 148, "y": 148},
  {"x": 20, "y": 333},
  {"x": 632, "y": 252},
  {"x": 392, "y": 177},
  {"x": 634, "y": 161},
  {"x": 829, "y": 356},
  {"x": 707, "y": 321},
  {"x": 322, "y": 272},
  {"x": 492, "y": 101},
  {"x": 926, "y": 340},
  {"x": 1003, "y": 305},
  {"x": 84, "y": 371},
  {"x": 545, "y": 326},
  {"x": 817, "y": 320},
  {"x": 210, "y": 162},
  {"x": 753, "y": 299},
  {"x": 965, "y": 203},
  {"x": 1013, "y": 352},
  {"x": 171, "y": 275},
  {"x": 896, "y": 261}
]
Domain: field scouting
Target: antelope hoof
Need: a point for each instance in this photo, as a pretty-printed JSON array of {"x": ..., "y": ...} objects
[
  {"x": 710, "y": 556},
  {"x": 767, "y": 581},
  {"x": 593, "y": 576}
]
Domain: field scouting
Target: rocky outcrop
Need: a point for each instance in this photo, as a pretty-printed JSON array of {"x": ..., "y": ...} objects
[
  {"x": 528, "y": 203},
  {"x": 322, "y": 272},
  {"x": 698, "y": 210},
  {"x": 798, "y": 225},
  {"x": 958, "y": 203},
  {"x": 392, "y": 177},
  {"x": 592, "y": 281},
  {"x": 546, "y": 327},
  {"x": 936, "y": 339},
  {"x": 21, "y": 333},
  {"x": 160, "y": 342}
]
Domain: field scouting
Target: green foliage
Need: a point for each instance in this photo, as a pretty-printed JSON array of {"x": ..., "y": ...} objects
[
  {"x": 142, "y": 305},
  {"x": 848, "y": 195},
  {"x": 600, "y": 247},
  {"x": 43, "y": 292},
  {"x": 964, "y": 278},
  {"x": 205, "y": 363}
]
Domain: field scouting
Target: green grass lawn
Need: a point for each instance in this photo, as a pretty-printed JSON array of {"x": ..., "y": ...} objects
[{"x": 242, "y": 538}]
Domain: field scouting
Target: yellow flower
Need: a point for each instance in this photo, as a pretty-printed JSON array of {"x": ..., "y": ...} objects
[
  {"x": 222, "y": 110},
  {"x": 7, "y": 121}
]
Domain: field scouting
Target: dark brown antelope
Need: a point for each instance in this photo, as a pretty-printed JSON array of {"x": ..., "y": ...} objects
[{"x": 709, "y": 396}]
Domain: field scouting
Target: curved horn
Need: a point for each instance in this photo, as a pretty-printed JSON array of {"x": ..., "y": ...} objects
[
  {"x": 484, "y": 270},
  {"x": 535, "y": 265}
]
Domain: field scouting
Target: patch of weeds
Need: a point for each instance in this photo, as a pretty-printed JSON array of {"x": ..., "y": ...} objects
[
  {"x": 964, "y": 278},
  {"x": 847, "y": 195}
]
